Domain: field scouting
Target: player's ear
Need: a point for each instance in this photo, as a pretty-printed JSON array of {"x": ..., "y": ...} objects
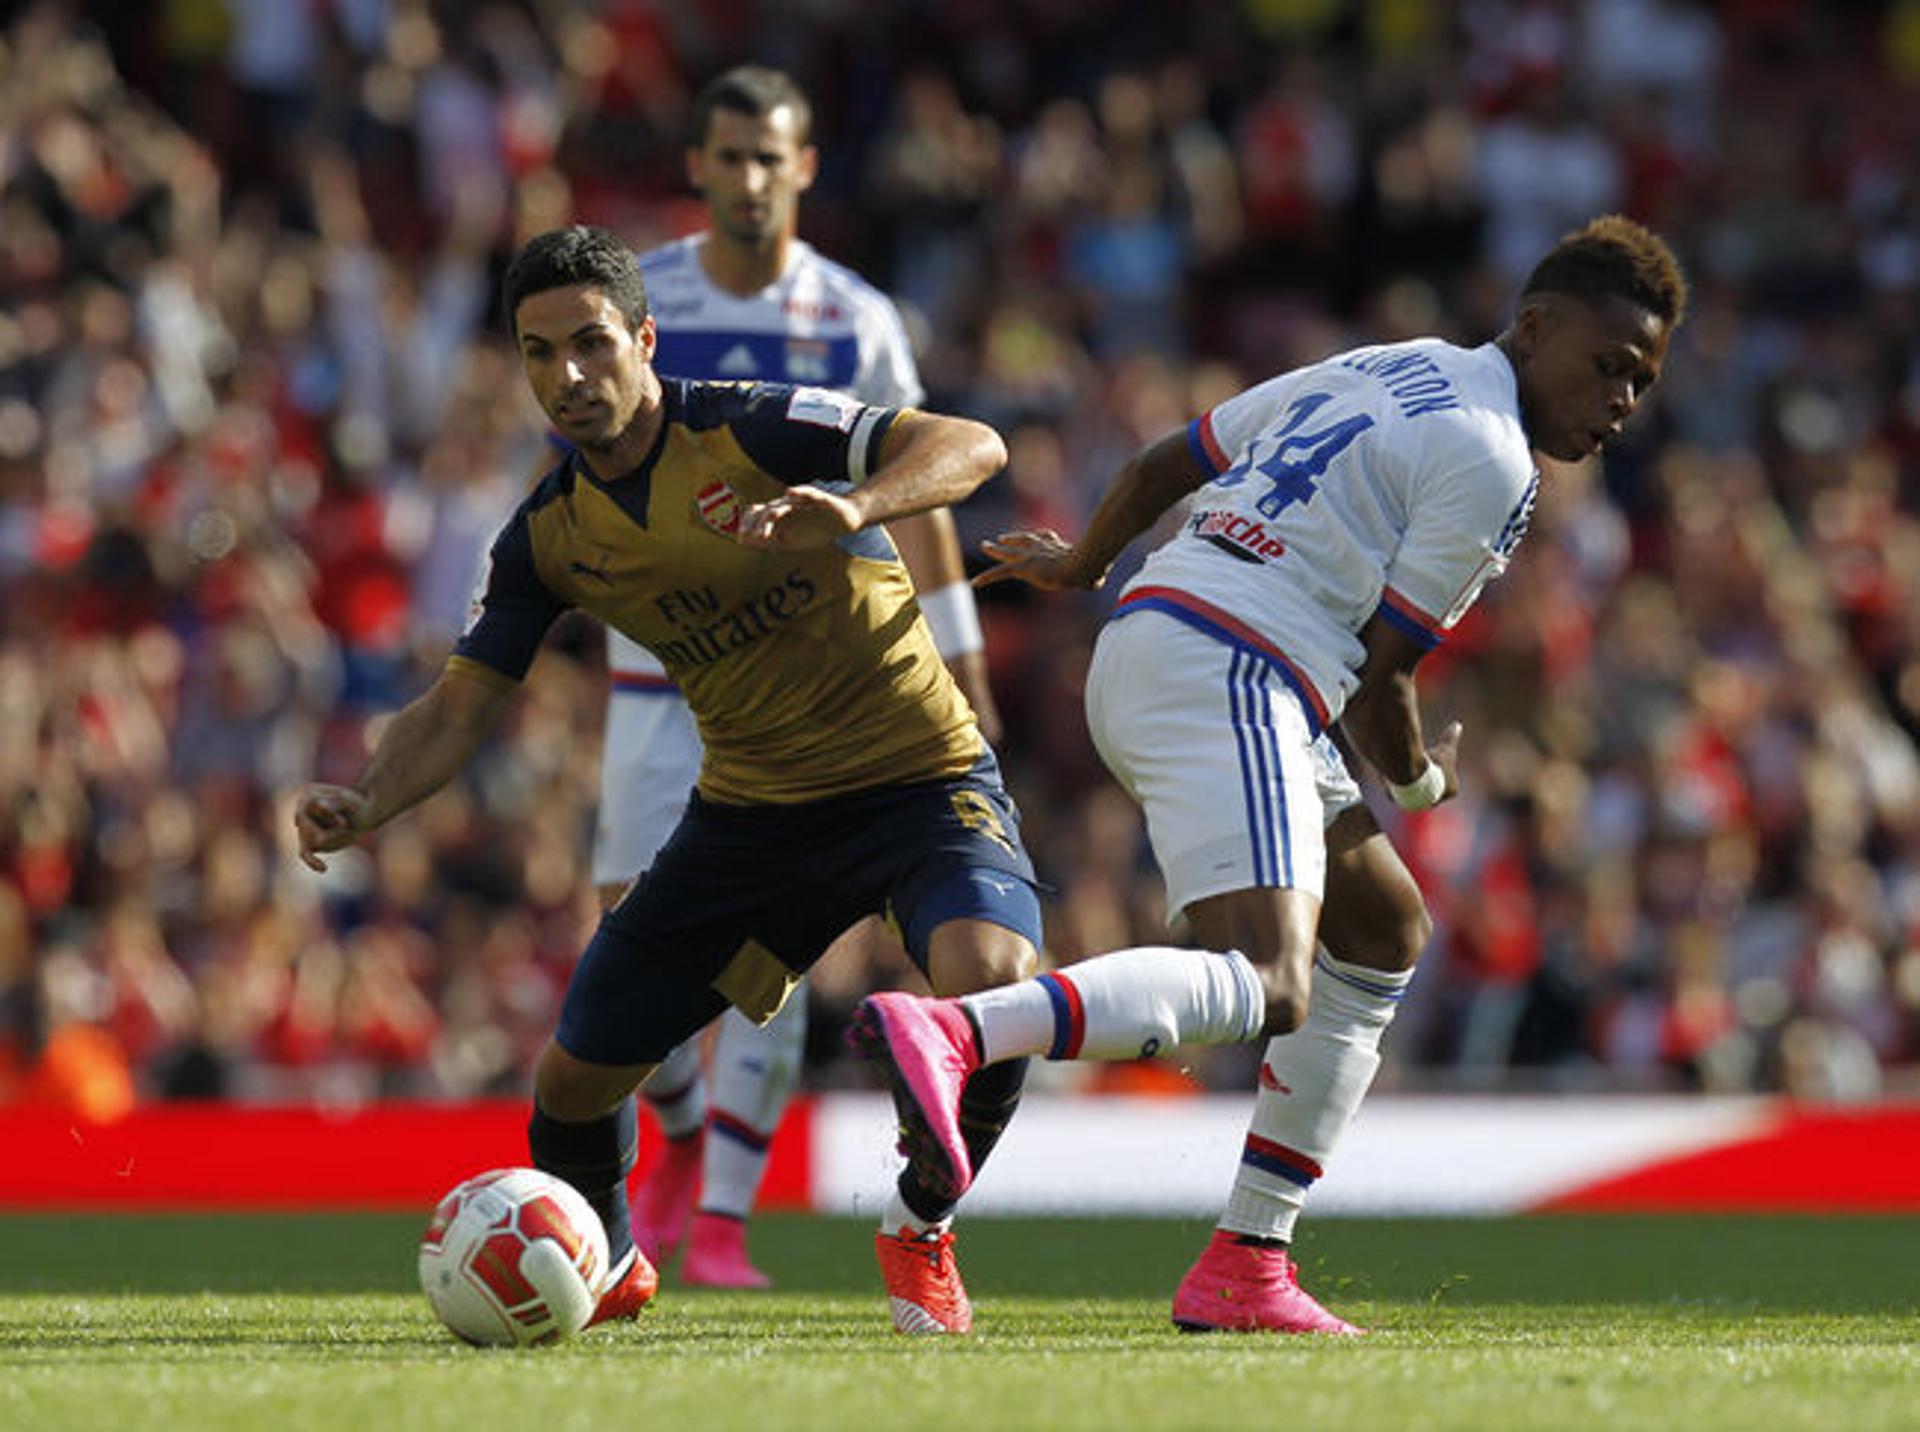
[
  {"x": 646, "y": 337},
  {"x": 696, "y": 170},
  {"x": 1532, "y": 324},
  {"x": 807, "y": 166}
]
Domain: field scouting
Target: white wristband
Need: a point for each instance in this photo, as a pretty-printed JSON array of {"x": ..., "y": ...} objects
[
  {"x": 1423, "y": 790},
  {"x": 953, "y": 620}
]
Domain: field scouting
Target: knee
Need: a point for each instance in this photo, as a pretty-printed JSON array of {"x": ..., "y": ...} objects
[
  {"x": 556, "y": 1087},
  {"x": 1394, "y": 945},
  {"x": 990, "y": 970},
  {"x": 572, "y": 1090},
  {"x": 1412, "y": 931},
  {"x": 980, "y": 964},
  {"x": 1415, "y": 929},
  {"x": 1008, "y": 963},
  {"x": 1391, "y": 940}
]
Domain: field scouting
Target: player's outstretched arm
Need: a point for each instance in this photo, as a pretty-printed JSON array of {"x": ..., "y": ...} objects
[
  {"x": 1153, "y": 480},
  {"x": 421, "y": 749},
  {"x": 927, "y": 460},
  {"x": 1382, "y": 720}
]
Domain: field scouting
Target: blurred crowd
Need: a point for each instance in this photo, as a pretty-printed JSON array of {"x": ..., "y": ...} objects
[{"x": 258, "y": 420}]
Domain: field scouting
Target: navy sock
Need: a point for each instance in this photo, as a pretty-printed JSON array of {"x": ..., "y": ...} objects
[
  {"x": 595, "y": 1157},
  {"x": 987, "y": 1103}
]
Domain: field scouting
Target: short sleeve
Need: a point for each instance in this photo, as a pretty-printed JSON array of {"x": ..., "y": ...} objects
[
  {"x": 1218, "y": 436},
  {"x": 512, "y": 608},
  {"x": 810, "y": 435},
  {"x": 1462, "y": 532}
]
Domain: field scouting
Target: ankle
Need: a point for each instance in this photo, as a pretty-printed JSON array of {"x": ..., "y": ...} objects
[{"x": 1255, "y": 1240}]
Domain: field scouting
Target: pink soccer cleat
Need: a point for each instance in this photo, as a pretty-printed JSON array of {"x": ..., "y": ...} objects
[
  {"x": 663, "y": 1204},
  {"x": 926, "y": 1049},
  {"x": 628, "y": 1289},
  {"x": 1244, "y": 1288},
  {"x": 924, "y": 1291},
  {"x": 717, "y": 1255}
]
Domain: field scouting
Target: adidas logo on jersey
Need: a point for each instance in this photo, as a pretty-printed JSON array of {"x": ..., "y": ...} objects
[{"x": 737, "y": 362}]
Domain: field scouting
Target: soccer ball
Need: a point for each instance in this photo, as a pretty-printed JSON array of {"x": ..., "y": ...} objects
[{"x": 513, "y": 1258}]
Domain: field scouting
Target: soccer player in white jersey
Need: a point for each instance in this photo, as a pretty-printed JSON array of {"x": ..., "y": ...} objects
[
  {"x": 1343, "y": 517},
  {"x": 747, "y": 299}
]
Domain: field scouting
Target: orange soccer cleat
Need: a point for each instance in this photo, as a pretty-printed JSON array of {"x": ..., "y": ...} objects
[
  {"x": 923, "y": 1283},
  {"x": 627, "y": 1290}
]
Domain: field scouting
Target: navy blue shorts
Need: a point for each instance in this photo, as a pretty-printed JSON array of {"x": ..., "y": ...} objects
[{"x": 741, "y": 901}]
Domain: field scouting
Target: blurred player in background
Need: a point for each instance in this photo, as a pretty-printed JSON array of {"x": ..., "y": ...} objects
[
  {"x": 733, "y": 529},
  {"x": 1344, "y": 517},
  {"x": 748, "y": 300}
]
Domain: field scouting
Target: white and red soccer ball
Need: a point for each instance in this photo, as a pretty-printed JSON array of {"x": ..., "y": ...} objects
[{"x": 513, "y": 1258}]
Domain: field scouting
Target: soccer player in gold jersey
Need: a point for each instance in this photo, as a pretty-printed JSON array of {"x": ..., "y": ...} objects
[{"x": 734, "y": 530}]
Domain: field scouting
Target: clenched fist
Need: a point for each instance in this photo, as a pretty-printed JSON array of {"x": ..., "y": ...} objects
[{"x": 328, "y": 818}]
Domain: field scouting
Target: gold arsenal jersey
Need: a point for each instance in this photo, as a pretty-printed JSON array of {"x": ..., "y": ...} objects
[{"x": 811, "y": 674}]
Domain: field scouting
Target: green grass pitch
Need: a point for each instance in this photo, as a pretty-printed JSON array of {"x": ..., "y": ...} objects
[{"x": 265, "y": 1322}]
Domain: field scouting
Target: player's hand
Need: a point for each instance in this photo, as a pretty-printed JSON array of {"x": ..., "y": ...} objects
[
  {"x": 800, "y": 519},
  {"x": 1041, "y": 559},
  {"x": 1445, "y": 753},
  {"x": 328, "y": 818}
]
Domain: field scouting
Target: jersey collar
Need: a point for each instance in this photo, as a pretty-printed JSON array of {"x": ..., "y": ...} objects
[{"x": 632, "y": 490}]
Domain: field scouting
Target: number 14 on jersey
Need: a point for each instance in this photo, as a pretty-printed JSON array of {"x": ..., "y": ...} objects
[{"x": 1293, "y": 460}]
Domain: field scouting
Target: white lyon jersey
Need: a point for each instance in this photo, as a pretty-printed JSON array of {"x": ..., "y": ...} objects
[
  {"x": 1393, "y": 479},
  {"x": 819, "y": 324}
]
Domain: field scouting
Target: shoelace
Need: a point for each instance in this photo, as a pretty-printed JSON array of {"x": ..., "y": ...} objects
[{"x": 933, "y": 1250}]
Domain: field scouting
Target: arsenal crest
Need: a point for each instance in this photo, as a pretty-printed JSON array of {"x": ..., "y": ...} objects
[{"x": 719, "y": 508}]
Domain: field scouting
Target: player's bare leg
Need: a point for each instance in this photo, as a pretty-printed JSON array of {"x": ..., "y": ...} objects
[{"x": 1375, "y": 915}]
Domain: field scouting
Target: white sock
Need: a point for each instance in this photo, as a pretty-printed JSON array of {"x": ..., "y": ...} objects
[
  {"x": 1131, "y": 1004},
  {"x": 1311, "y": 1083},
  {"x": 752, "y": 1076},
  {"x": 899, "y": 1216},
  {"x": 675, "y": 1090}
]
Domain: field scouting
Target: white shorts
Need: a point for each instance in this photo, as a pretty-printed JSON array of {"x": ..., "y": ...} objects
[
  {"x": 1213, "y": 744},
  {"x": 648, "y": 764}
]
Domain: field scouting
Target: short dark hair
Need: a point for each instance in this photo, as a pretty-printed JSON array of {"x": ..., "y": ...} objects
[
  {"x": 582, "y": 254},
  {"x": 1613, "y": 256},
  {"x": 755, "y": 91}
]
